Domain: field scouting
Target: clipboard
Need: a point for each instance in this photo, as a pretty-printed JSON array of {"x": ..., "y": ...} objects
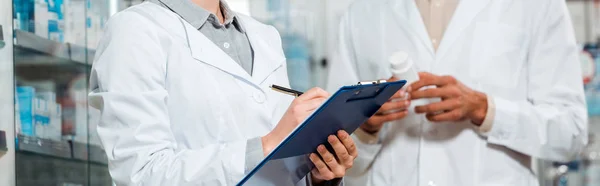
[{"x": 346, "y": 110}]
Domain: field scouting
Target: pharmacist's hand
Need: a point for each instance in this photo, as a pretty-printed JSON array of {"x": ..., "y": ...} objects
[
  {"x": 394, "y": 109},
  {"x": 459, "y": 102},
  {"x": 300, "y": 108},
  {"x": 332, "y": 165}
]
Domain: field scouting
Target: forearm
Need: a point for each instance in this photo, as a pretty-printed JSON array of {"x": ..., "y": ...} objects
[{"x": 555, "y": 132}]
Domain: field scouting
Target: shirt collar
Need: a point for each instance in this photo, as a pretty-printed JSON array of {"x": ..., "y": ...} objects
[{"x": 198, "y": 16}]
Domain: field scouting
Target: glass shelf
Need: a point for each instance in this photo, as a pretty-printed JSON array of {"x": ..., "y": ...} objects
[
  {"x": 59, "y": 149},
  {"x": 41, "y": 169},
  {"x": 31, "y": 49},
  {"x": 66, "y": 150}
]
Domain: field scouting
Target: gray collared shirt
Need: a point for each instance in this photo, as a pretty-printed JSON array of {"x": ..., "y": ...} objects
[{"x": 230, "y": 36}]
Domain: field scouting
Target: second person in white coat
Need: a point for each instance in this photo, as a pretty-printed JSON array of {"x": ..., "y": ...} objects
[
  {"x": 183, "y": 87},
  {"x": 507, "y": 73}
]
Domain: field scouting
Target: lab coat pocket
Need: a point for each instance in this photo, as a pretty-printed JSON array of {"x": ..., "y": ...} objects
[{"x": 498, "y": 54}]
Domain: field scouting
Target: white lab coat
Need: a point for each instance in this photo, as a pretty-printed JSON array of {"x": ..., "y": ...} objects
[
  {"x": 521, "y": 53},
  {"x": 177, "y": 110}
]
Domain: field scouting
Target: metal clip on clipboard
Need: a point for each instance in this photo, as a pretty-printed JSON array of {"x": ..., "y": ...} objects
[{"x": 371, "y": 82}]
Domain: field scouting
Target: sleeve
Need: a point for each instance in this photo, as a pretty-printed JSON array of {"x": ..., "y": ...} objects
[
  {"x": 552, "y": 123},
  {"x": 334, "y": 182},
  {"x": 128, "y": 81},
  {"x": 343, "y": 72},
  {"x": 488, "y": 121}
]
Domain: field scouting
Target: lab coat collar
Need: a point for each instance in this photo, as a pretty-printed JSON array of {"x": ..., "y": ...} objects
[
  {"x": 464, "y": 15},
  {"x": 409, "y": 14},
  {"x": 198, "y": 16},
  {"x": 409, "y": 17},
  {"x": 266, "y": 60},
  {"x": 268, "y": 57}
]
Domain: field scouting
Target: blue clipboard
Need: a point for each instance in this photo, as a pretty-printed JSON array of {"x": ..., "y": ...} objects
[{"x": 346, "y": 110}]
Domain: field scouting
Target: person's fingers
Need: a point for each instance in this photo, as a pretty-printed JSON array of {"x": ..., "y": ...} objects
[
  {"x": 348, "y": 143},
  {"x": 340, "y": 151},
  {"x": 313, "y": 93},
  {"x": 401, "y": 94},
  {"x": 311, "y": 105},
  {"x": 380, "y": 119},
  {"x": 454, "y": 115},
  {"x": 425, "y": 79},
  {"x": 443, "y": 92},
  {"x": 436, "y": 107},
  {"x": 428, "y": 79},
  {"x": 321, "y": 167},
  {"x": 393, "y": 106},
  {"x": 330, "y": 161}
]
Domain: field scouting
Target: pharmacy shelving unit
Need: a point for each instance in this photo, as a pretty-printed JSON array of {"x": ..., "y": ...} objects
[
  {"x": 40, "y": 58},
  {"x": 41, "y": 161}
]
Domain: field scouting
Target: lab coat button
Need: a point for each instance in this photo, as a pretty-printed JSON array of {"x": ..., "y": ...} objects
[
  {"x": 226, "y": 45},
  {"x": 259, "y": 97}
]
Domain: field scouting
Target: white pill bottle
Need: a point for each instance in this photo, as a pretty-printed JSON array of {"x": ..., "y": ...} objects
[{"x": 403, "y": 67}]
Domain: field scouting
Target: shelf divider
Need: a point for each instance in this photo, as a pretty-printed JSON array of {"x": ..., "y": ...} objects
[{"x": 32, "y": 49}]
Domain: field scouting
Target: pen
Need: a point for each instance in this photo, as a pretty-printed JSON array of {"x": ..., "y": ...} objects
[{"x": 286, "y": 90}]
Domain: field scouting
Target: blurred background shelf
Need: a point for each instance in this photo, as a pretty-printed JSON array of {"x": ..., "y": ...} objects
[
  {"x": 36, "y": 145},
  {"x": 31, "y": 49},
  {"x": 40, "y": 169},
  {"x": 65, "y": 150},
  {"x": 89, "y": 153}
]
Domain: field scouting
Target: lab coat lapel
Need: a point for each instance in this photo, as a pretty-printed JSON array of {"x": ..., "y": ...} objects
[
  {"x": 204, "y": 50},
  {"x": 464, "y": 15},
  {"x": 267, "y": 58},
  {"x": 409, "y": 17}
]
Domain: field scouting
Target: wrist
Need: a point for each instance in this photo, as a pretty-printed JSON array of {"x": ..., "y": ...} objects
[
  {"x": 269, "y": 142},
  {"x": 481, "y": 107},
  {"x": 369, "y": 129},
  {"x": 315, "y": 181}
]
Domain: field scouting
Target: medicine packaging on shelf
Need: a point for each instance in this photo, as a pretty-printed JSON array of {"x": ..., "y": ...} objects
[{"x": 25, "y": 98}]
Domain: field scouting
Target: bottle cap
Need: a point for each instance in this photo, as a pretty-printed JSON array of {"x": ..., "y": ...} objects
[{"x": 399, "y": 61}]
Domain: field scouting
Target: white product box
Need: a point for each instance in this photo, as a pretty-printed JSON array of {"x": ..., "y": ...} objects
[
  {"x": 81, "y": 117},
  {"x": 75, "y": 22},
  {"x": 41, "y": 18},
  {"x": 54, "y": 130}
]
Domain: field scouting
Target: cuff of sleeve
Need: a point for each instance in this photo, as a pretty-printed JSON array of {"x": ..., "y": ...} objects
[
  {"x": 334, "y": 182},
  {"x": 488, "y": 122},
  {"x": 505, "y": 121},
  {"x": 367, "y": 138},
  {"x": 254, "y": 153}
]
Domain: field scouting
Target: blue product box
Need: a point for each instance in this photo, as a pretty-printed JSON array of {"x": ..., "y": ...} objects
[
  {"x": 56, "y": 25},
  {"x": 23, "y": 15},
  {"x": 25, "y": 97}
]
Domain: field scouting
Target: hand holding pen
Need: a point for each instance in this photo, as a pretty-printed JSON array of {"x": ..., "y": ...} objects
[{"x": 328, "y": 165}]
